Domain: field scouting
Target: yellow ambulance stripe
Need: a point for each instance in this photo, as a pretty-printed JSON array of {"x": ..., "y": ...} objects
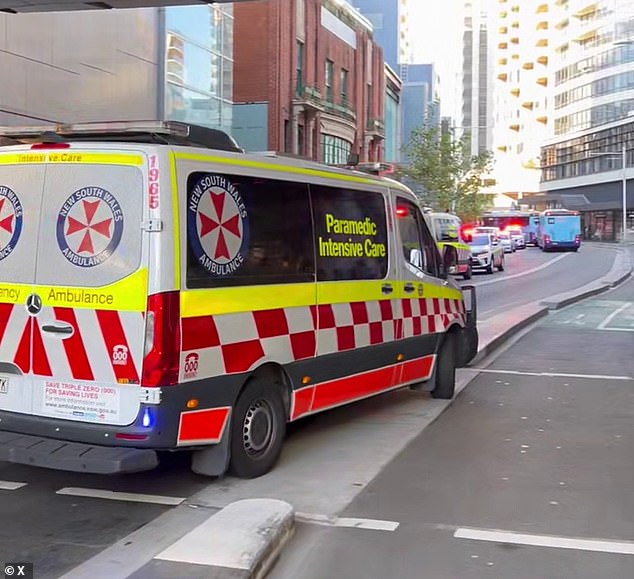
[
  {"x": 285, "y": 169},
  {"x": 69, "y": 156},
  {"x": 128, "y": 294},
  {"x": 176, "y": 222},
  {"x": 218, "y": 301}
]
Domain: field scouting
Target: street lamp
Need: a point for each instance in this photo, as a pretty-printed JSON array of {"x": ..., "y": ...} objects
[{"x": 623, "y": 155}]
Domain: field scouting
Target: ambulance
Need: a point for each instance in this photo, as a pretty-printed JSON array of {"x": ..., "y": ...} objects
[
  {"x": 162, "y": 290},
  {"x": 447, "y": 229}
]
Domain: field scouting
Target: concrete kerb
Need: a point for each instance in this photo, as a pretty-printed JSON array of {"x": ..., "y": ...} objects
[
  {"x": 620, "y": 271},
  {"x": 241, "y": 541}
]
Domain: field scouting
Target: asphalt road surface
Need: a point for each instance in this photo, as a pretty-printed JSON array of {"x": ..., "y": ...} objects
[
  {"x": 530, "y": 274},
  {"x": 527, "y": 475}
]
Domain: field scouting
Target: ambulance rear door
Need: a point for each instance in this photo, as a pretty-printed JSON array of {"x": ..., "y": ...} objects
[
  {"x": 91, "y": 285},
  {"x": 21, "y": 184}
]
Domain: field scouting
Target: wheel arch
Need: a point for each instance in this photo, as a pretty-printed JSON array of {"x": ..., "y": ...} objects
[{"x": 276, "y": 374}]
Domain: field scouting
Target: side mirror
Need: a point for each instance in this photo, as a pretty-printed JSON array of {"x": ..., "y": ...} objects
[{"x": 450, "y": 260}]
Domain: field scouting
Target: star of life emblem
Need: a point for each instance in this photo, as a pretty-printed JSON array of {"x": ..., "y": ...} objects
[
  {"x": 10, "y": 221},
  {"x": 89, "y": 226},
  {"x": 217, "y": 225}
]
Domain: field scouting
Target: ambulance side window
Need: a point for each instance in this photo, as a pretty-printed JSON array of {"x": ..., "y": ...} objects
[
  {"x": 350, "y": 233},
  {"x": 418, "y": 245},
  {"x": 247, "y": 231}
]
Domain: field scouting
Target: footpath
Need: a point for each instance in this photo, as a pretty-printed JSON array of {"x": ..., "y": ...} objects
[{"x": 244, "y": 539}]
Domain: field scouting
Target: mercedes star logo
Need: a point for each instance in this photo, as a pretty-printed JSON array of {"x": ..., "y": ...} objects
[{"x": 33, "y": 304}]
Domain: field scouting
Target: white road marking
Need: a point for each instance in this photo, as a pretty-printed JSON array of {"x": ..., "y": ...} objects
[
  {"x": 618, "y": 329},
  {"x": 118, "y": 496},
  {"x": 556, "y": 374},
  {"x": 498, "y": 536},
  {"x": 608, "y": 319},
  {"x": 7, "y": 485},
  {"x": 347, "y": 522},
  {"x": 522, "y": 273}
]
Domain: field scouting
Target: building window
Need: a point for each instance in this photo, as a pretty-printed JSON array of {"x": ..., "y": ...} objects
[
  {"x": 345, "y": 253},
  {"x": 247, "y": 231},
  {"x": 330, "y": 65},
  {"x": 335, "y": 150},
  {"x": 299, "y": 68},
  {"x": 343, "y": 87}
]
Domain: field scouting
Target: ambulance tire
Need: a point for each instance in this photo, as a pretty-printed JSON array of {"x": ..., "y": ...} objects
[
  {"x": 258, "y": 427},
  {"x": 445, "y": 374}
]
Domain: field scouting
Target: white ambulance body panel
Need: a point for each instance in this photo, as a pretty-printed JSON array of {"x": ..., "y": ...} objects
[{"x": 73, "y": 346}]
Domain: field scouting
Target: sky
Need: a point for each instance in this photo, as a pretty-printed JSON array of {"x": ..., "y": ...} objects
[{"x": 435, "y": 33}]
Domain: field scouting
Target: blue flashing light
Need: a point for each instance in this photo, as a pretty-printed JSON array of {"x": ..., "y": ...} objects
[{"x": 147, "y": 418}]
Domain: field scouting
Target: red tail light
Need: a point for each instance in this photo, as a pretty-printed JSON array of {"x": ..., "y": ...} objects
[
  {"x": 546, "y": 238},
  {"x": 162, "y": 340}
]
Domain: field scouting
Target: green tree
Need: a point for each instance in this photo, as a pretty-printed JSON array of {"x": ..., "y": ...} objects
[{"x": 444, "y": 174}]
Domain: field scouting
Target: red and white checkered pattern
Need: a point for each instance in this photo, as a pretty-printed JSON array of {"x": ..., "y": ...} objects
[
  {"x": 104, "y": 346},
  {"x": 232, "y": 343}
]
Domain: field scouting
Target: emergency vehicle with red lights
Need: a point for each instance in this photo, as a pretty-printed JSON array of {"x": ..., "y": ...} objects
[{"x": 162, "y": 290}]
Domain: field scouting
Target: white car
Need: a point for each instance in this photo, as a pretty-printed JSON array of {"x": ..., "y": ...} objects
[
  {"x": 486, "y": 252},
  {"x": 518, "y": 238},
  {"x": 508, "y": 244}
]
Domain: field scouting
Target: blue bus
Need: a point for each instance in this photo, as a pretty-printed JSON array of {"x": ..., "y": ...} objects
[
  {"x": 527, "y": 221},
  {"x": 559, "y": 229}
]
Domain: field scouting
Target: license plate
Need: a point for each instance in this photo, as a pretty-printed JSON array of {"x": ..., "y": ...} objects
[{"x": 4, "y": 385}]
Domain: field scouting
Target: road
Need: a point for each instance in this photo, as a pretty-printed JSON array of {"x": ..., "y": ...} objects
[
  {"x": 530, "y": 275},
  {"x": 328, "y": 460},
  {"x": 527, "y": 475}
]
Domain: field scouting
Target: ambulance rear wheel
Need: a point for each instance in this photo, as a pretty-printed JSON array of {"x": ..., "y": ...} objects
[
  {"x": 445, "y": 375},
  {"x": 258, "y": 427}
]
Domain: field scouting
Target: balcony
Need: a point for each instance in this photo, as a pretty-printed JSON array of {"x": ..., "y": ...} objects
[
  {"x": 309, "y": 97},
  {"x": 340, "y": 110},
  {"x": 375, "y": 127}
]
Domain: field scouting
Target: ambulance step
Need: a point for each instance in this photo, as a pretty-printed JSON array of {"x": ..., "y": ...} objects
[{"x": 73, "y": 456}]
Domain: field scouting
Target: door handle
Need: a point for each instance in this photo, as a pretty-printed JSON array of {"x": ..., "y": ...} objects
[
  {"x": 387, "y": 288},
  {"x": 57, "y": 329},
  {"x": 409, "y": 288}
]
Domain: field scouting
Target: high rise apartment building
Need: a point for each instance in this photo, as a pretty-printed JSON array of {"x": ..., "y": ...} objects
[
  {"x": 523, "y": 42},
  {"x": 477, "y": 76},
  {"x": 592, "y": 120}
]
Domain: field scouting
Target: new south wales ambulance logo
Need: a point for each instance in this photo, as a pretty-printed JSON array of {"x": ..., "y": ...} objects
[
  {"x": 89, "y": 226},
  {"x": 217, "y": 225},
  {"x": 10, "y": 221}
]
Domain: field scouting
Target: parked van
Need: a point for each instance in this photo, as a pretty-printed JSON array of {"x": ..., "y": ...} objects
[
  {"x": 447, "y": 229},
  {"x": 162, "y": 290}
]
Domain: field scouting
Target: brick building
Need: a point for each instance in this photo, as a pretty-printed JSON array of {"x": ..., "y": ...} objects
[{"x": 308, "y": 80}]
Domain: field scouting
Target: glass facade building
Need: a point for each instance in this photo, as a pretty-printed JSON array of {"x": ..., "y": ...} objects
[
  {"x": 152, "y": 63},
  {"x": 199, "y": 65}
]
